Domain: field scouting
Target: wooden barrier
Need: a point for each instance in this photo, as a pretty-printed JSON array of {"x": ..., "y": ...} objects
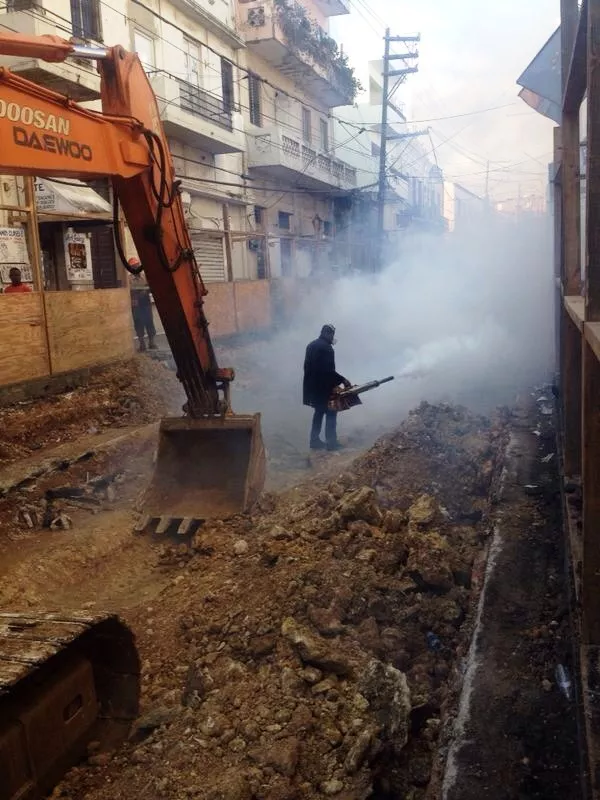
[
  {"x": 88, "y": 328},
  {"x": 23, "y": 345},
  {"x": 219, "y": 306},
  {"x": 238, "y": 307},
  {"x": 252, "y": 305}
]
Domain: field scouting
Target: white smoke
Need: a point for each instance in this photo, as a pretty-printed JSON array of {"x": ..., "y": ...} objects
[{"x": 462, "y": 317}]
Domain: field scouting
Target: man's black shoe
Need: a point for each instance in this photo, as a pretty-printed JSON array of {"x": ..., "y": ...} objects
[
  {"x": 335, "y": 446},
  {"x": 318, "y": 445}
]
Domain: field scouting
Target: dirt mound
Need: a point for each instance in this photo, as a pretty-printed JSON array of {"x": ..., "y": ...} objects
[
  {"x": 308, "y": 651},
  {"x": 129, "y": 393}
]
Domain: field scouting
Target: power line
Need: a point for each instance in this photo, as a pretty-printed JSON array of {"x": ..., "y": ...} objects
[
  {"x": 246, "y": 72},
  {"x": 354, "y": 4},
  {"x": 266, "y": 82}
]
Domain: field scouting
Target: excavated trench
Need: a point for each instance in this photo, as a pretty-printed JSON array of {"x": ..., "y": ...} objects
[{"x": 389, "y": 629}]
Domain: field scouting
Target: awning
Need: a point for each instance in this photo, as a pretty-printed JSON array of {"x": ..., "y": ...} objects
[
  {"x": 71, "y": 199},
  {"x": 541, "y": 80}
]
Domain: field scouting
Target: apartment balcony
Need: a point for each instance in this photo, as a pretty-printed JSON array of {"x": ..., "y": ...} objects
[
  {"x": 333, "y": 8},
  {"x": 197, "y": 117},
  {"x": 76, "y": 78},
  {"x": 218, "y": 20},
  {"x": 282, "y": 33},
  {"x": 275, "y": 154}
]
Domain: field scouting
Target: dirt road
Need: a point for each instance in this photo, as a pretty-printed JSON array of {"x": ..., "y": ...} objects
[{"x": 316, "y": 648}]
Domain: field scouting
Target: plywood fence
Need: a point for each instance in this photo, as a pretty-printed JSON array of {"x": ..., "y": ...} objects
[
  {"x": 238, "y": 307},
  {"x": 42, "y": 335},
  {"x": 88, "y": 328},
  {"x": 23, "y": 342}
]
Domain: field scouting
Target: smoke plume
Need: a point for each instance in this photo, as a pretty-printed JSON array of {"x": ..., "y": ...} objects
[{"x": 462, "y": 317}]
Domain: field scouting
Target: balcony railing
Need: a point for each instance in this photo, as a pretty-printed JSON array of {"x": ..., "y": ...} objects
[
  {"x": 309, "y": 156},
  {"x": 203, "y": 104},
  {"x": 290, "y": 146},
  {"x": 302, "y": 43},
  {"x": 280, "y": 149}
]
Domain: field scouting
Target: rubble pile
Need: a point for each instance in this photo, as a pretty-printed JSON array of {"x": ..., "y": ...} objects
[
  {"x": 131, "y": 392},
  {"x": 308, "y": 651}
]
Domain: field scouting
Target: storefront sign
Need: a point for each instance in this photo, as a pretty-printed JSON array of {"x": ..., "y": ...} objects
[
  {"x": 78, "y": 257},
  {"x": 45, "y": 198},
  {"x": 13, "y": 253}
]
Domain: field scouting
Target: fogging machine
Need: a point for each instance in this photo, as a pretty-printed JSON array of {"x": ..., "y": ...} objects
[{"x": 344, "y": 399}]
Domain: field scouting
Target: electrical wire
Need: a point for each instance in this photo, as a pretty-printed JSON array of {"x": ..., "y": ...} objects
[
  {"x": 244, "y": 70},
  {"x": 265, "y": 82}
]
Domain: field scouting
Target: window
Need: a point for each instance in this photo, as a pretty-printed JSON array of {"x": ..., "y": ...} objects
[
  {"x": 254, "y": 99},
  {"x": 284, "y": 220},
  {"x": 227, "y": 84},
  {"x": 306, "y": 126},
  {"x": 192, "y": 61},
  {"x": 144, "y": 47},
  {"x": 85, "y": 17},
  {"x": 258, "y": 215},
  {"x": 327, "y": 228},
  {"x": 324, "y": 135}
]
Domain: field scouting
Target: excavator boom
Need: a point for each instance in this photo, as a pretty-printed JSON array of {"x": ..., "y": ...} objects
[
  {"x": 67, "y": 681},
  {"x": 47, "y": 135}
]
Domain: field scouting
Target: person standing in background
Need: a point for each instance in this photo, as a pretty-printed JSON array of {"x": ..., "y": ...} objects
[
  {"x": 16, "y": 285},
  {"x": 141, "y": 308}
]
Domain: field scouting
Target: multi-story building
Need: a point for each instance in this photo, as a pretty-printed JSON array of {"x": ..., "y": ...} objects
[
  {"x": 296, "y": 74},
  {"x": 462, "y": 208},
  {"x": 245, "y": 89},
  {"x": 413, "y": 181}
]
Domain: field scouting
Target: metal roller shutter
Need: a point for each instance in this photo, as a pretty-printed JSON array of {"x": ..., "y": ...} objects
[{"x": 209, "y": 252}]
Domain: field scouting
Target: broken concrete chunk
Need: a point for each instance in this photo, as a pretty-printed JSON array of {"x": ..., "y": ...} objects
[
  {"x": 386, "y": 689},
  {"x": 291, "y": 682},
  {"x": 325, "y": 620},
  {"x": 313, "y": 650},
  {"x": 359, "y": 751},
  {"x": 394, "y": 521},
  {"x": 331, "y": 787},
  {"x": 360, "y": 505},
  {"x": 154, "y": 718},
  {"x": 423, "y": 511},
  {"x": 282, "y": 756},
  {"x": 429, "y": 562},
  {"x": 240, "y": 548}
]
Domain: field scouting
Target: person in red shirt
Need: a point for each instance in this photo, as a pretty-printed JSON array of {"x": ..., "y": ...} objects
[{"x": 16, "y": 286}]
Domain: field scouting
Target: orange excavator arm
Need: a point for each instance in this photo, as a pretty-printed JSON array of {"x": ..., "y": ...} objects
[{"x": 45, "y": 134}]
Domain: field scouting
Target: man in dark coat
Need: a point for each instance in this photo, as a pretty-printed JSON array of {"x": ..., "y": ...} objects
[{"x": 320, "y": 379}]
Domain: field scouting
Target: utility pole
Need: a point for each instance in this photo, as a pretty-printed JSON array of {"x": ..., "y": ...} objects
[
  {"x": 385, "y": 136},
  {"x": 383, "y": 152}
]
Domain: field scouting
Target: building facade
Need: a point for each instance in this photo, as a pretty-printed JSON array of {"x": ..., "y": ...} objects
[
  {"x": 245, "y": 90},
  {"x": 414, "y": 184},
  {"x": 462, "y": 208},
  {"x": 295, "y": 76}
]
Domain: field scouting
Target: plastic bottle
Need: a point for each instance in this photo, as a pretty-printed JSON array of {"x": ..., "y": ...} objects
[{"x": 563, "y": 680}]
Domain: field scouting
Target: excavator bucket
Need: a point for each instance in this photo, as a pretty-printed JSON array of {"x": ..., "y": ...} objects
[
  {"x": 205, "y": 469},
  {"x": 66, "y": 681}
]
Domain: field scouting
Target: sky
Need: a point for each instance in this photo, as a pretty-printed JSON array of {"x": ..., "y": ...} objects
[{"x": 468, "y": 61}]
